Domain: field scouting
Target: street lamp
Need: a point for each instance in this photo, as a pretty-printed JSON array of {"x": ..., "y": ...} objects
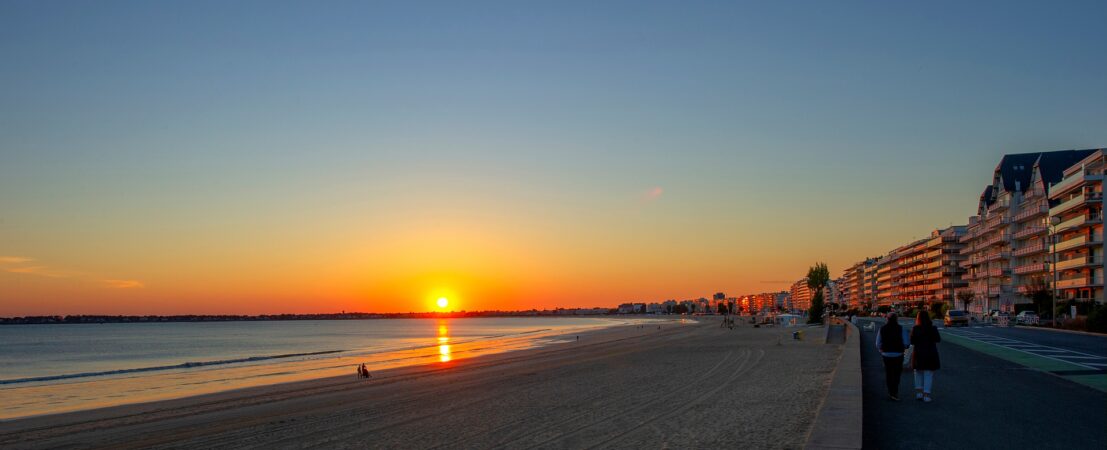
[{"x": 1053, "y": 221}]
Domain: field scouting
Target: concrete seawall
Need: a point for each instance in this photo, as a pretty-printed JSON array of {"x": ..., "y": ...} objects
[{"x": 839, "y": 422}]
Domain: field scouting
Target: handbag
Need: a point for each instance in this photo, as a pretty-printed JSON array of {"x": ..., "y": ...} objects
[{"x": 908, "y": 358}]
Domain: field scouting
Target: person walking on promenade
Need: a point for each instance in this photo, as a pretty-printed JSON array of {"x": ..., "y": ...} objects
[
  {"x": 891, "y": 341},
  {"x": 925, "y": 339}
]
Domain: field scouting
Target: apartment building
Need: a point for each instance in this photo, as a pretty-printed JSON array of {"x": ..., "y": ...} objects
[
  {"x": 868, "y": 290},
  {"x": 852, "y": 282},
  {"x": 883, "y": 292},
  {"x": 801, "y": 295},
  {"x": 1077, "y": 224},
  {"x": 1007, "y": 207}
]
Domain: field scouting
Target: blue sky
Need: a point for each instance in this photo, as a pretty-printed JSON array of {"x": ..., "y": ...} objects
[{"x": 849, "y": 127}]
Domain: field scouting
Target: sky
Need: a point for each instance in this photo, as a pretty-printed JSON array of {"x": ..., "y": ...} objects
[{"x": 264, "y": 157}]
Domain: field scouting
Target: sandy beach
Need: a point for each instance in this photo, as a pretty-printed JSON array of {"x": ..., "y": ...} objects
[{"x": 680, "y": 386}]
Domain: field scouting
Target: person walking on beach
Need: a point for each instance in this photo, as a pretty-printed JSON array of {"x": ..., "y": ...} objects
[
  {"x": 924, "y": 358},
  {"x": 891, "y": 341},
  {"x": 363, "y": 371}
]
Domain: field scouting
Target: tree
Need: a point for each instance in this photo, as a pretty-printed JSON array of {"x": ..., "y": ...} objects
[
  {"x": 817, "y": 278},
  {"x": 966, "y": 296},
  {"x": 1039, "y": 292},
  {"x": 723, "y": 309}
]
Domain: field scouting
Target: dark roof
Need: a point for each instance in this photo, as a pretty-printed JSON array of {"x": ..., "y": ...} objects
[
  {"x": 1053, "y": 164},
  {"x": 1017, "y": 167},
  {"x": 986, "y": 196}
]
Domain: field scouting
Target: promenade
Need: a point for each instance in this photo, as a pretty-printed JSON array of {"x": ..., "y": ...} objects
[
  {"x": 680, "y": 386},
  {"x": 987, "y": 396}
]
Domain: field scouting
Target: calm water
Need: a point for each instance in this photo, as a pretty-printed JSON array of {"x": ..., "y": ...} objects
[{"x": 55, "y": 368}]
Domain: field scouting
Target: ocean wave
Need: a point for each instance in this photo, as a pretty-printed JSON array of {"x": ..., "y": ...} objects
[{"x": 186, "y": 365}]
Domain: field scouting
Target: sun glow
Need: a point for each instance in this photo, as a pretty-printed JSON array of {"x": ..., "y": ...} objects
[{"x": 443, "y": 302}]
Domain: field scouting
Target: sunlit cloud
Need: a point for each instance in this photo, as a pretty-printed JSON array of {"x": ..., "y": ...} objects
[
  {"x": 14, "y": 260},
  {"x": 41, "y": 271},
  {"x": 124, "y": 284},
  {"x": 652, "y": 194}
]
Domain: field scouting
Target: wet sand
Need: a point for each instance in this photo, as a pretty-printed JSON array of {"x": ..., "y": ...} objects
[{"x": 692, "y": 385}]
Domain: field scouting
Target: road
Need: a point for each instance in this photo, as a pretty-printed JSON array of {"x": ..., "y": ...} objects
[{"x": 983, "y": 398}]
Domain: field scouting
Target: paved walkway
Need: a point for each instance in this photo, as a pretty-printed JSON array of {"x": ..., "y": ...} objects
[{"x": 981, "y": 401}]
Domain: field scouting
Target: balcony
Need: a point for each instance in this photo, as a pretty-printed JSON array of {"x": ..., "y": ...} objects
[
  {"x": 1038, "y": 247},
  {"x": 995, "y": 238},
  {"x": 1083, "y": 219},
  {"x": 1031, "y": 268},
  {"x": 966, "y": 237},
  {"x": 999, "y": 205},
  {"x": 966, "y": 263},
  {"x": 998, "y": 271},
  {"x": 1079, "y": 282},
  {"x": 1078, "y": 241},
  {"x": 1079, "y": 262},
  {"x": 1074, "y": 180},
  {"x": 1030, "y": 231},
  {"x": 1031, "y": 212},
  {"x": 995, "y": 256},
  {"x": 1076, "y": 200},
  {"x": 994, "y": 222}
]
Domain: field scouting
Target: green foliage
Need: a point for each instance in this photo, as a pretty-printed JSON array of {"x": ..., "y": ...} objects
[
  {"x": 815, "y": 314},
  {"x": 966, "y": 296},
  {"x": 818, "y": 276},
  {"x": 883, "y": 309}
]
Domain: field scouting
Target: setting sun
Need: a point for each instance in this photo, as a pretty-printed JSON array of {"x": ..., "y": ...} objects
[{"x": 443, "y": 302}]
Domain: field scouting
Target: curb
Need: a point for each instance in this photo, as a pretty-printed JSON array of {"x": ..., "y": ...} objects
[{"x": 839, "y": 420}]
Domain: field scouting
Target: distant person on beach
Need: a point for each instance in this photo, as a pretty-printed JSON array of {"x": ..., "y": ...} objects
[
  {"x": 924, "y": 359},
  {"x": 363, "y": 371},
  {"x": 891, "y": 341}
]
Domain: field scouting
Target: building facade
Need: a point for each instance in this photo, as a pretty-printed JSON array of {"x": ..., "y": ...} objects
[{"x": 1077, "y": 228}]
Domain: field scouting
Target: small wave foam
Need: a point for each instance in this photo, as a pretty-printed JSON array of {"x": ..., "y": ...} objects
[{"x": 186, "y": 365}]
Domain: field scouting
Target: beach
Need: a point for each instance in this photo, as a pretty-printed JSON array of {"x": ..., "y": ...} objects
[{"x": 654, "y": 385}]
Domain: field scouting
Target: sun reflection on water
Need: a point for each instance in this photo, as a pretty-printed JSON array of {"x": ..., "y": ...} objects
[{"x": 443, "y": 343}]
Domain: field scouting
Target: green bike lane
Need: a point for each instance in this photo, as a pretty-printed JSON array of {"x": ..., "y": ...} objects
[{"x": 1079, "y": 367}]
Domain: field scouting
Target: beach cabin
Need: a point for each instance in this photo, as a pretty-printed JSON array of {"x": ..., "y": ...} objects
[{"x": 787, "y": 320}]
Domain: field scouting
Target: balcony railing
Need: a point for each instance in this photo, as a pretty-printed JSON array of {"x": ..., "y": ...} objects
[
  {"x": 1069, "y": 283},
  {"x": 1075, "y": 201},
  {"x": 995, "y": 238},
  {"x": 1030, "y": 231},
  {"x": 993, "y": 222},
  {"x": 1031, "y": 268},
  {"x": 992, "y": 257},
  {"x": 1031, "y": 249},
  {"x": 1077, "y": 241},
  {"x": 1030, "y": 212},
  {"x": 998, "y": 271},
  {"x": 1074, "y": 180},
  {"x": 1079, "y": 261}
]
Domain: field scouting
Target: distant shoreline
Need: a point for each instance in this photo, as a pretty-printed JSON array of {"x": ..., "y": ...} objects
[{"x": 100, "y": 319}]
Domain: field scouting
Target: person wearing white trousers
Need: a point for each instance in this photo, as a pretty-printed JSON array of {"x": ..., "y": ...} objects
[{"x": 924, "y": 358}]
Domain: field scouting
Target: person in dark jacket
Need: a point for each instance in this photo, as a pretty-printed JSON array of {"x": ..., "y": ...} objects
[
  {"x": 924, "y": 359},
  {"x": 891, "y": 341}
]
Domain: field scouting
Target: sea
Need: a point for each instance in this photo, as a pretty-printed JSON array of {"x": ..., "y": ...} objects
[{"x": 48, "y": 369}]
